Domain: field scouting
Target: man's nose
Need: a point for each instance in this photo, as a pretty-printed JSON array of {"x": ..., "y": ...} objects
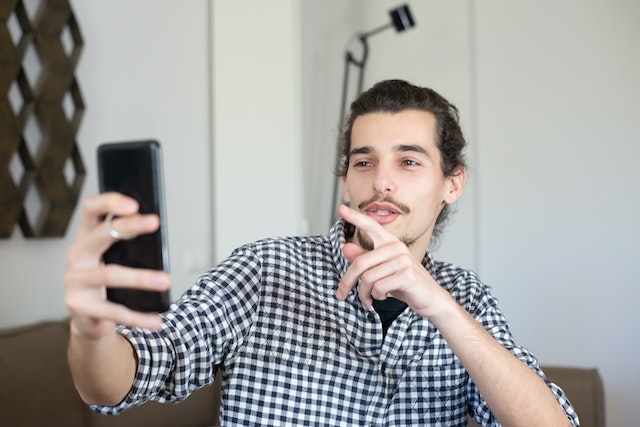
[{"x": 383, "y": 181}]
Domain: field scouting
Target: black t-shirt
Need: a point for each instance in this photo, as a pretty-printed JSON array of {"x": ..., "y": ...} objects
[{"x": 388, "y": 310}]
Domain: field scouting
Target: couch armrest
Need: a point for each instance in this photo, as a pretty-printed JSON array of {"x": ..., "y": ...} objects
[
  {"x": 37, "y": 387},
  {"x": 584, "y": 389}
]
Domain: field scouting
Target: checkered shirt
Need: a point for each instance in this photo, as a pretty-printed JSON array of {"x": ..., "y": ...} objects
[{"x": 290, "y": 353}]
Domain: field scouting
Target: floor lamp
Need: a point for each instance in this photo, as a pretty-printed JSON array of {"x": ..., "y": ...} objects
[{"x": 401, "y": 20}]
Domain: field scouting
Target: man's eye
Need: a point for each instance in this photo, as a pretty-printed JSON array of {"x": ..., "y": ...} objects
[
  {"x": 409, "y": 163},
  {"x": 361, "y": 163}
]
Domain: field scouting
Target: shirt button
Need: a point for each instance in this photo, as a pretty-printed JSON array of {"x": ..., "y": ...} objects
[
  {"x": 371, "y": 424},
  {"x": 371, "y": 318}
]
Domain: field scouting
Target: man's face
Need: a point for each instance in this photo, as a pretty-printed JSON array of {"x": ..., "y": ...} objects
[{"x": 394, "y": 176}]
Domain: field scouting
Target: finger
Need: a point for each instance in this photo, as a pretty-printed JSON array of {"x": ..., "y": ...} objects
[
  {"x": 377, "y": 282},
  {"x": 117, "y": 313},
  {"x": 129, "y": 227},
  {"x": 86, "y": 280},
  {"x": 370, "y": 267},
  {"x": 87, "y": 251},
  {"x": 376, "y": 232},
  {"x": 85, "y": 294},
  {"x": 348, "y": 282},
  {"x": 364, "y": 293},
  {"x": 117, "y": 276},
  {"x": 95, "y": 208},
  {"x": 368, "y": 270},
  {"x": 386, "y": 282},
  {"x": 361, "y": 262},
  {"x": 351, "y": 251}
]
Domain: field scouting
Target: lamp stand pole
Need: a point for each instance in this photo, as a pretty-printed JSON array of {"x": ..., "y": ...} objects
[{"x": 402, "y": 20}]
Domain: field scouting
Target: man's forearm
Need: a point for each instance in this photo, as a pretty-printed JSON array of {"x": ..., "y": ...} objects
[
  {"x": 103, "y": 370},
  {"x": 516, "y": 395}
]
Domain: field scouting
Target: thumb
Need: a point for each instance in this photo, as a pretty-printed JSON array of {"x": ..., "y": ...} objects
[{"x": 351, "y": 251}]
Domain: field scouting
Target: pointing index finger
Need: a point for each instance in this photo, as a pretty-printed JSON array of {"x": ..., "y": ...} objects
[{"x": 378, "y": 235}]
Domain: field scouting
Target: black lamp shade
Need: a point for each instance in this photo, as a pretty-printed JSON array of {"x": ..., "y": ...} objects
[{"x": 401, "y": 17}]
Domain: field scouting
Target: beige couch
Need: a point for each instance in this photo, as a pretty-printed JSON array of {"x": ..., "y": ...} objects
[
  {"x": 585, "y": 391},
  {"x": 36, "y": 388}
]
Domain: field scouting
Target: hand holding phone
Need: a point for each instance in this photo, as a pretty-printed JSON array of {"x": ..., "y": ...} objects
[{"x": 135, "y": 169}]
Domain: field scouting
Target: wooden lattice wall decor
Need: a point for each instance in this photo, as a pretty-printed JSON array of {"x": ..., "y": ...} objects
[{"x": 41, "y": 107}]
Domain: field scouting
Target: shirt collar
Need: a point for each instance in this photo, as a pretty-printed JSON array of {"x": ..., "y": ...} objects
[{"x": 337, "y": 239}]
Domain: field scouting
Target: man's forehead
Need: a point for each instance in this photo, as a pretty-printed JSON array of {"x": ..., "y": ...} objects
[{"x": 398, "y": 131}]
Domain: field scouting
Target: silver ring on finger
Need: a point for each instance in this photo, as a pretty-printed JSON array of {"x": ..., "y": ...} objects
[{"x": 115, "y": 233}]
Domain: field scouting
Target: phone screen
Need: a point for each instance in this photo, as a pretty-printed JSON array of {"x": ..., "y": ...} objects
[{"x": 135, "y": 169}]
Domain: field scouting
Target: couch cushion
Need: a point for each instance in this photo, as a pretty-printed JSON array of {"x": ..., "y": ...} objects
[
  {"x": 198, "y": 410},
  {"x": 37, "y": 388},
  {"x": 584, "y": 389},
  {"x": 36, "y": 382}
]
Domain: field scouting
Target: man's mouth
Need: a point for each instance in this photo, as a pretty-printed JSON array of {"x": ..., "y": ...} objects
[{"x": 383, "y": 213}]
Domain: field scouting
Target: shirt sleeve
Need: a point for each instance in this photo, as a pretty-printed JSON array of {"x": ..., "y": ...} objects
[
  {"x": 205, "y": 326},
  {"x": 477, "y": 299}
]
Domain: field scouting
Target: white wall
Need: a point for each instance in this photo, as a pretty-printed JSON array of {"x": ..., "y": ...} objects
[
  {"x": 558, "y": 101},
  {"x": 256, "y": 121},
  {"x": 143, "y": 73},
  {"x": 549, "y": 98}
]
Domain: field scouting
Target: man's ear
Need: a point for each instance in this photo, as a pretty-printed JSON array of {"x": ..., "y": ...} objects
[{"x": 455, "y": 185}]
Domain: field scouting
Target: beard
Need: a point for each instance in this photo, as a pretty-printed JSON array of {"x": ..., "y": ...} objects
[{"x": 366, "y": 243}]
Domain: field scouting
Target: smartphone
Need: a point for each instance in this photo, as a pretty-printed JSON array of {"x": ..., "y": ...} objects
[{"x": 134, "y": 168}]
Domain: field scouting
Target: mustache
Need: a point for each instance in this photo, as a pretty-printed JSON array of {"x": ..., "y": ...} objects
[{"x": 401, "y": 206}]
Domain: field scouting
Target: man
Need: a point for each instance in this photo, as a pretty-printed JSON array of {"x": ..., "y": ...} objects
[{"x": 358, "y": 327}]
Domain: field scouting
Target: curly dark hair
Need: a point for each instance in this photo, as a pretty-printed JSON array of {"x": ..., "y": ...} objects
[{"x": 393, "y": 96}]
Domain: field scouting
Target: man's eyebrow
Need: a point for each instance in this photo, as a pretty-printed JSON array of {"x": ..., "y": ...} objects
[
  {"x": 400, "y": 148},
  {"x": 361, "y": 150},
  {"x": 411, "y": 148}
]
